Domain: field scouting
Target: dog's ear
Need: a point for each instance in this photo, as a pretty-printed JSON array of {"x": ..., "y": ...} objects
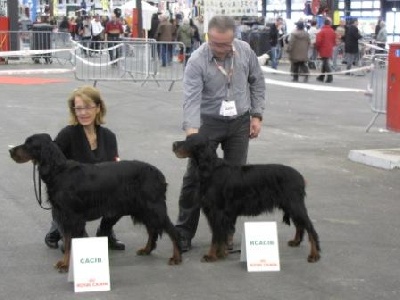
[
  {"x": 36, "y": 144},
  {"x": 203, "y": 153},
  {"x": 44, "y": 151},
  {"x": 197, "y": 139}
]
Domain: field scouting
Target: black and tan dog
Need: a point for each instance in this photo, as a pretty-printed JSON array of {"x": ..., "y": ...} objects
[
  {"x": 83, "y": 192},
  {"x": 227, "y": 192}
]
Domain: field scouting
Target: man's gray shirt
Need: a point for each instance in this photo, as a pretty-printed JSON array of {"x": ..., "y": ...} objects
[{"x": 205, "y": 86}]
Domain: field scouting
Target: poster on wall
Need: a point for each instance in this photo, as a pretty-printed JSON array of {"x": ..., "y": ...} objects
[
  {"x": 231, "y": 7},
  {"x": 234, "y": 8}
]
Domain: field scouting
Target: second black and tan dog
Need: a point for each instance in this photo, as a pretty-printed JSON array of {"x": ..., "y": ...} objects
[{"x": 227, "y": 191}]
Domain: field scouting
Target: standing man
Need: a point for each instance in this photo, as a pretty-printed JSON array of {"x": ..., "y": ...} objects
[
  {"x": 113, "y": 33},
  {"x": 325, "y": 42},
  {"x": 381, "y": 38},
  {"x": 351, "y": 38},
  {"x": 297, "y": 49},
  {"x": 165, "y": 34},
  {"x": 97, "y": 30},
  {"x": 274, "y": 35},
  {"x": 224, "y": 99},
  {"x": 86, "y": 34}
]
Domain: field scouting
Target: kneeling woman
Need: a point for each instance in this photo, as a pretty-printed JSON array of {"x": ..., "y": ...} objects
[{"x": 86, "y": 141}]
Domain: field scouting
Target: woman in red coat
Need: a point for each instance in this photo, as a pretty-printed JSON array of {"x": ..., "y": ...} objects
[{"x": 326, "y": 41}]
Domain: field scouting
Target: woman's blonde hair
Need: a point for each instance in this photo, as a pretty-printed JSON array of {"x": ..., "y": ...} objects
[{"x": 89, "y": 95}]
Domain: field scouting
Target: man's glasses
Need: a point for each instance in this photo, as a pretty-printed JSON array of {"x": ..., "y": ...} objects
[{"x": 220, "y": 45}]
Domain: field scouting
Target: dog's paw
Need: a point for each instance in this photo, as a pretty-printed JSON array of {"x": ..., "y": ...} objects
[
  {"x": 61, "y": 266},
  {"x": 209, "y": 258},
  {"x": 143, "y": 252},
  {"x": 174, "y": 261},
  {"x": 312, "y": 258},
  {"x": 294, "y": 243}
]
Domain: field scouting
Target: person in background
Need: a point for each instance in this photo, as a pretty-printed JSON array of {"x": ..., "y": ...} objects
[
  {"x": 152, "y": 34},
  {"x": 199, "y": 22},
  {"x": 185, "y": 34},
  {"x": 297, "y": 48},
  {"x": 377, "y": 27},
  {"x": 85, "y": 140},
  {"x": 127, "y": 28},
  {"x": 274, "y": 40},
  {"x": 63, "y": 29},
  {"x": 85, "y": 32},
  {"x": 165, "y": 34},
  {"x": 97, "y": 33},
  {"x": 224, "y": 99},
  {"x": 381, "y": 38},
  {"x": 238, "y": 28},
  {"x": 154, "y": 25},
  {"x": 351, "y": 38},
  {"x": 78, "y": 28},
  {"x": 339, "y": 46},
  {"x": 325, "y": 42},
  {"x": 113, "y": 33},
  {"x": 196, "y": 40},
  {"x": 72, "y": 27},
  {"x": 312, "y": 31}
]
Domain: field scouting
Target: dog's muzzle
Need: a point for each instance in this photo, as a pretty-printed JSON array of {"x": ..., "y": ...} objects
[
  {"x": 178, "y": 149},
  {"x": 19, "y": 155}
]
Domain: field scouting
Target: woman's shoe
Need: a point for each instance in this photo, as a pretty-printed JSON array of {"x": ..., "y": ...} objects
[{"x": 52, "y": 238}]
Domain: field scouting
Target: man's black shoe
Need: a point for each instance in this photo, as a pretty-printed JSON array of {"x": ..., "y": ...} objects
[
  {"x": 51, "y": 239},
  {"x": 185, "y": 244},
  {"x": 113, "y": 242}
]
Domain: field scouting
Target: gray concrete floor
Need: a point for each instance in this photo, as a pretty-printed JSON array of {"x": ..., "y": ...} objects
[{"x": 354, "y": 207}]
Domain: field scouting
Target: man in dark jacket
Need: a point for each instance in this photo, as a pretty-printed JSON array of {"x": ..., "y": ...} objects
[
  {"x": 154, "y": 25},
  {"x": 274, "y": 35},
  {"x": 351, "y": 38}
]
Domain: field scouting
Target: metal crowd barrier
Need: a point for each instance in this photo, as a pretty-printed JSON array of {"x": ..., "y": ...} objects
[
  {"x": 43, "y": 46},
  {"x": 377, "y": 87},
  {"x": 137, "y": 60}
]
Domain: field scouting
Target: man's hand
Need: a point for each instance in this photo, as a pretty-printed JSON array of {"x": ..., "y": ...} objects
[
  {"x": 255, "y": 127},
  {"x": 191, "y": 131}
]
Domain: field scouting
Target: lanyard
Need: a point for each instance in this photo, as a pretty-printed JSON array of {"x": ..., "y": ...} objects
[{"x": 228, "y": 74}]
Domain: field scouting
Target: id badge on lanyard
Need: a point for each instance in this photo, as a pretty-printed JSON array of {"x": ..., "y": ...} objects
[{"x": 228, "y": 107}]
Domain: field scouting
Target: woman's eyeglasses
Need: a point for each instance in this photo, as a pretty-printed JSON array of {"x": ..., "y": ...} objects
[{"x": 83, "y": 109}]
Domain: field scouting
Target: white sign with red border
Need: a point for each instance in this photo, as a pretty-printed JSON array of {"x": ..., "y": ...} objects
[
  {"x": 260, "y": 247},
  {"x": 89, "y": 265}
]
